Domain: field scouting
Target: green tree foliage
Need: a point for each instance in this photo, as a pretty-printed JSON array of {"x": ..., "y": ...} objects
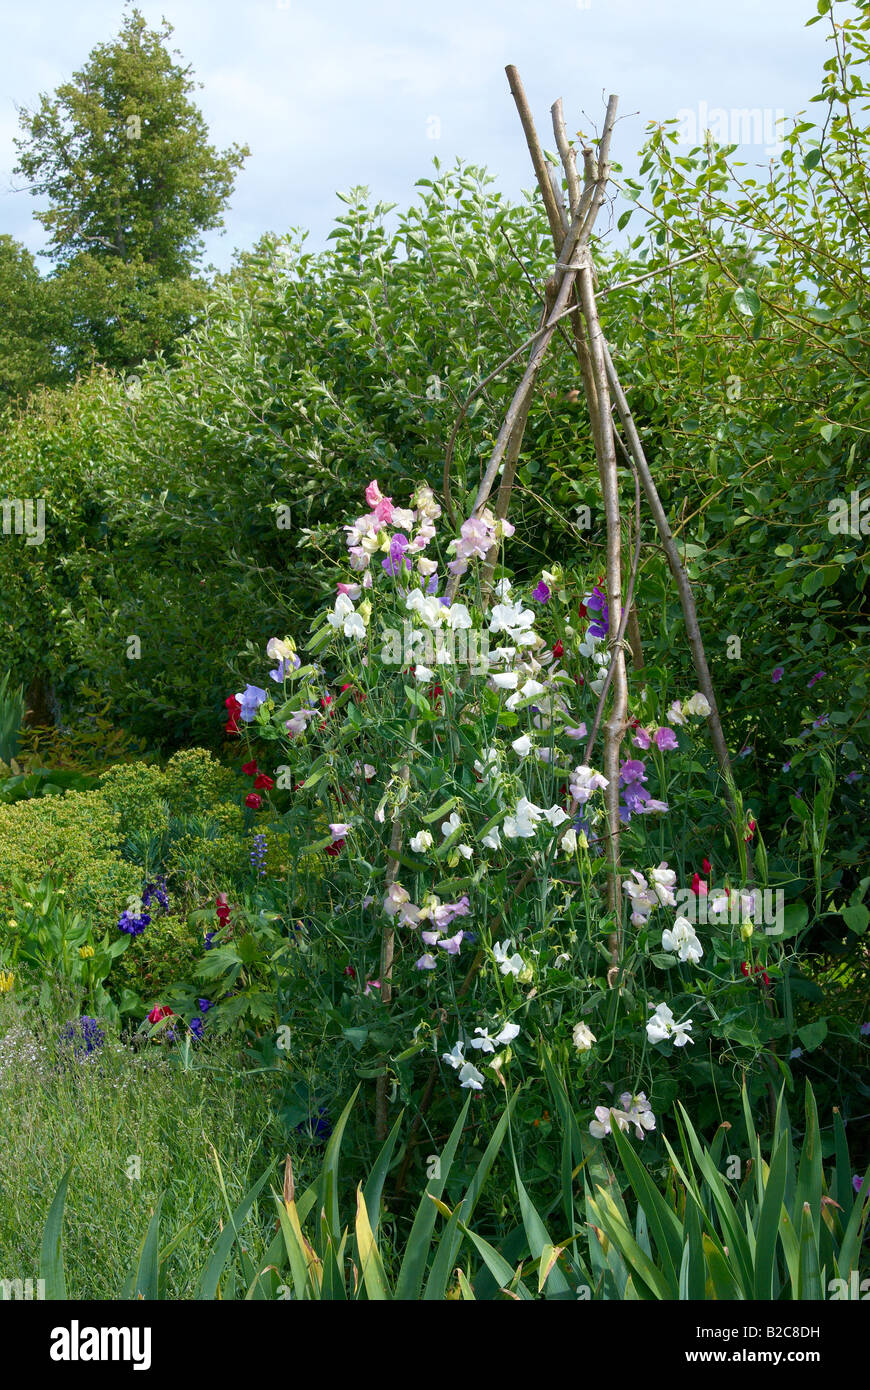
[
  {"x": 122, "y": 155},
  {"x": 25, "y": 323}
]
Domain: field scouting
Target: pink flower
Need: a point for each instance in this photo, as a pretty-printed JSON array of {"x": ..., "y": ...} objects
[
  {"x": 641, "y": 740},
  {"x": 777, "y": 674},
  {"x": 370, "y": 985},
  {"x": 373, "y": 494}
]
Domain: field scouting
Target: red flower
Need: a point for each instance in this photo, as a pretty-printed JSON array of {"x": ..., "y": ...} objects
[
  {"x": 157, "y": 1013},
  {"x": 558, "y": 650},
  {"x": 254, "y": 801},
  {"x": 698, "y": 886},
  {"x": 583, "y": 611},
  {"x": 744, "y": 969},
  {"x": 250, "y": 769},
  {"x": 264, "y": 782},
  {"x": 349, "y": 970},
  {"x": 235, "y": 709},
  {"x": 335, "y": 848},
  {"x": 706, "y": 866},
  {"x": 750, "y": 828}
]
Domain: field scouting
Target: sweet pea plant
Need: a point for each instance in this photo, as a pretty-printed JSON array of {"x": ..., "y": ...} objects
[{"x": 435, "y": 750}]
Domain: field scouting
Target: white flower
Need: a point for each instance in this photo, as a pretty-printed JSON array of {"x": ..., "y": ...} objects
[
  {"x": 675, "y": 713},
  {"x": 642, "y": 899},
  {"x": 458, "y": 616},
  {"x": 423, "y": 673},
  {"x": 492, "y": 839},
  {"x": 396, "y": 897},
  {"x": 522, "y": 746},
  {"x": 507, "y": 1034},
  {"x": 470, "y": 1078},
  {"x": 584, "y": 781},
  {"x": 465, "y": 850},
  {"x": 556, "y": 816},
  {"x": 505, "y": 680},
  {"x": 522, "y": 824},
  {"x": 583, "y": 1037},
  {"x": 454, "y": 1057},
  {"x": 529, "y": 690},
  {"x": 422, "y": 841},
  {"x": 698, "y": 704},
  {"x": 663, "y": 1027},
  {"x": 427, "y": 567},
  {"x": 662, "y": 881},
  {"x": 508, "y": 965},
  {"x": 489, "y": 766},
  {"x": 681, "y": 939},
  {"x": 568, "y": 842},
  {"x": 448, "y": 827}
]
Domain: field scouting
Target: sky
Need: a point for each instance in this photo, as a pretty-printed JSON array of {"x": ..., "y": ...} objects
[{"x": 335, "y": 93}]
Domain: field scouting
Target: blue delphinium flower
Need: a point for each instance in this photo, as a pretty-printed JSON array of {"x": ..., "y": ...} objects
[
  {"x": 196, "y": 1027},
  {"x": 131, "y": 924},
  {"x": 208, "y": 944},
  {"x": 258, "y": 855},
  {"x": 156, "y": 890},
  {"x": 203, "y": 1005},
  {"x": 84, "y": 1036}
]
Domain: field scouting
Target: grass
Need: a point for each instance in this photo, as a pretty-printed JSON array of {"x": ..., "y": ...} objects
[{"x": 134, "y": 1124}]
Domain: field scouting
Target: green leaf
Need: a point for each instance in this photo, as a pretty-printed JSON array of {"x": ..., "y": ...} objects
[
  {"x": 51, "y": 1254},
  {"x": 812, "y": 1035},
  {"x": 746, "y": 301}
]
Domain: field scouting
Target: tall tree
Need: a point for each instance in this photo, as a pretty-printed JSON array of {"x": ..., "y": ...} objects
[{"x": 121, "y": 152}]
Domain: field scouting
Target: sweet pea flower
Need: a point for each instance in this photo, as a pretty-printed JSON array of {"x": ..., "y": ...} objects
[
  {"x": 541, "y": 594},
  {"x": 450, "y": 826},
  {"x": 698, "y": 705},
  {"x": 522, "y": 746},
  {"x": 492, "y": 839},
  {"x": 338, "y": 830},
  {"x": 422, "y": 841},
  {"x": 584, "y": 781},
  {"x": 470, "y": 1079},
  {"x": 523, "y": 823},
  {"x": 663, "y": 1027},
  {"x": 485, "y": 1043},
  {"x": 507, "y": 964},
  {"x": 249, "y": 701},
  {"x": 426, "y": 962},
  {"x": 777, "y": 674},
  {"x": 395, "y": 898},
  {"x": 641, "y": 738},
  {"x": 682, "y": 941},
  {"x": 583, "y": 1037},
  {"x": 675, "y": 713},
  {"x": 454, "y": 1057},
  {"x": 666, "y": 739},
  {"x": 451, "y": 944}
]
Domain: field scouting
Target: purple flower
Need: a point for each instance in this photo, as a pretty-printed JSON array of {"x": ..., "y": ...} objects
[
  {"x": 822, "y": 719},
  {"x": 857, "y": 1183},
  {"x": 541, "y": 594},
  {"x": 641, "y": 738},
  {"x": 396, "y": 560},
  {"x": 632, "y": 770},
  {"x": 666, "y": 739},
  {"x": 597, "y": 603},
  {"x": 208, "y": 944},
  {"x": 250, "y": 700},
  {"x": 865, "y": 1028},
  {"x": 131, "y": 924},
  {"x": 203, "y": 1005},
  {"x": 817, "y": 677},
  {"x": 853, "y": 777},
  {"x": 777, "y": 674},
  {"x": 786, "y": 767},
  {"x": 196, "y": 1027}
]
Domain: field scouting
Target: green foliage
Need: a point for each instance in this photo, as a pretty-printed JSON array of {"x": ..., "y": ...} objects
[
  {"x": 121, "y": 154},
  {"x": 11, "y": 718},
  {"x": 789, "y": 1230},
  {"x": 25, "y": 324}
]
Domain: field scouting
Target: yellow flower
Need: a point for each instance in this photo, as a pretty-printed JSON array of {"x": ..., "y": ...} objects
[
  {"x": 86, "y": 952},
  {"x": 746, "y": 931},
  {"x": 7, "y": 980}
]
